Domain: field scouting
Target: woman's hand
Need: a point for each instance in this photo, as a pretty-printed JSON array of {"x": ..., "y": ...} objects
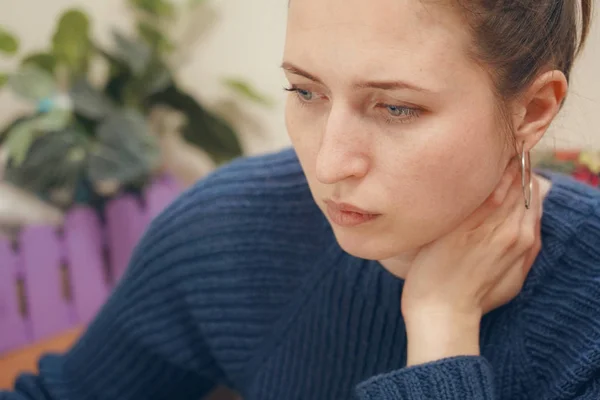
[{"x": 479, "y": 266}]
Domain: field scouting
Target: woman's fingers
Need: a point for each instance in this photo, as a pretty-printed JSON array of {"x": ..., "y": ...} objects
[
  {"x": 534, "y": 250},
  {"x": 483, "y": 263},
  {"x": 512, "y": 281},
  {"x": 507, "y": 287},
  {"x": 522, "y": 234}
]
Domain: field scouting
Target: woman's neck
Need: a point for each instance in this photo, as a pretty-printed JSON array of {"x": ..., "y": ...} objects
[{"x": 401, "y": 264}]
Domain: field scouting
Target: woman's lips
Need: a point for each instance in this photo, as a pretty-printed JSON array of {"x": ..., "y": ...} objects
[{"x": 347, "y": 215}]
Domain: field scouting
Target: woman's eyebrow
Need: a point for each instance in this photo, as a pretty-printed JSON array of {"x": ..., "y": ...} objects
[
  {"x": 383, "y": 85},
  {"x": 298, "y": 71}
]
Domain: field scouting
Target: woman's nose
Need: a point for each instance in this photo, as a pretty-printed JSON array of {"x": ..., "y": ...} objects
[{"x": 343, "y": 153}]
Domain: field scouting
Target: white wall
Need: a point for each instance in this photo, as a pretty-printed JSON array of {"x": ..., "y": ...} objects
[
  {"x": 247, "y": 41},
  {"x": 579, "y": 122}
]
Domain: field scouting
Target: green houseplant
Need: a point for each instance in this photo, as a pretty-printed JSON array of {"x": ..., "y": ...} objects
[{"x": 86, "y": 141}]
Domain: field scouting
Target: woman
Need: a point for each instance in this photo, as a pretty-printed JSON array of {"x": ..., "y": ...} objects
[{"x": 395, "y": 252}]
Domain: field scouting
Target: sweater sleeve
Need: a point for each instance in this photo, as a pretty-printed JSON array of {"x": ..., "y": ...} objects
[
  {"x": 459, "y": 378},
  {"x": 142, "y": 344}
]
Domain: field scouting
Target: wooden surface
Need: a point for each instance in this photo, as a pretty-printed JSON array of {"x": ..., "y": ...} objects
[{"x": 13, "y": 363}]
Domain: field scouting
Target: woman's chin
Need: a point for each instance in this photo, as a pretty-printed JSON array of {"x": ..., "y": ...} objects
[{"x": 369, "y": 247}]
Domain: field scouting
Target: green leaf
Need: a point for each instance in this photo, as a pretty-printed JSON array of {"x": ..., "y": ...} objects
[
  {"x": 20, "y": 137},
  {"x": 88, "y": 101},
  {"x": 154, "y": 37},
  {"x": 55, "y": 161},
  {"x": 204, "y": 129},
  {"x": 157, "y": 78},
  {"x": 71, "y": 41},
  {"x": 196, "y": 3},
  {"x": 13, "y": 124},
  {"x": 135, "y": 54},
  {"x": 221, "y": 132},
  {"x": 33, "y": 83},
  {"x": 9, "y": 44},
  {"x": 18, "y": 142},
  {"x": 55, "y": 120},
  {"x": 158, "y": 8},
  {"x": 120, "y": 75},
  {"x": 3, "y": 79},
  {"x": 117, "y": 85},
  {"x": 45, "y": 61},
  {"x": 125, "y": 151},
  {"x": 247, "y": 91}
]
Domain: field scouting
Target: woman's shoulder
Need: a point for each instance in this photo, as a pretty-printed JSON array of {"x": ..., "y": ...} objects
[
  {"x": 570, "y": 232},
  {"x": 563, "y": 291},
  {"x": 251, "y": 195},
  {"x": 252, "y": 220},
  {"x": 257, "y": 206},
  {"x": 262, "y": 179},
  {"x": 571, "y": 219},
  {"x": 237, "y": 248}
]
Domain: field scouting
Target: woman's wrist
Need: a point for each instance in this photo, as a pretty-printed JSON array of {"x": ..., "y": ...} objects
[{"x": 438, "y": 334}]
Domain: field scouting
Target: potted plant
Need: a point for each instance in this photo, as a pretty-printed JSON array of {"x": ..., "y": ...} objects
[{"x": 89, "y": 138}]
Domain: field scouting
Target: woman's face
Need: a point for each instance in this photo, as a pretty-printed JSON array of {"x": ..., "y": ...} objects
[{"x": 390, "y": 115}]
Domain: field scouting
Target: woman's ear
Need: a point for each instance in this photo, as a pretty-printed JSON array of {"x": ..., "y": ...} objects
[{"x": 538, "y": 106}]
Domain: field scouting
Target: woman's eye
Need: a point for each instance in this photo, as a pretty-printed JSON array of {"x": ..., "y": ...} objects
[
  {"x": 304, "y": 95},
  {"x": 399, "y": 113}
]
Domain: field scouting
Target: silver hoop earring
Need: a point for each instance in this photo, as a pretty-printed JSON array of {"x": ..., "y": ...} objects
[{"x": 526, "y": 182}]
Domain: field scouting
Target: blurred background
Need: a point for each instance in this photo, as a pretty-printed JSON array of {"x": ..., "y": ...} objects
[
  {"x": 108, "y": 109},
  {"x": 198, "y": 83},
  {"x": 241, "y": 38}
]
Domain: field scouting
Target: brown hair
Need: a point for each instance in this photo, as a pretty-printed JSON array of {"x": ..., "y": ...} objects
[{"x": 519, "y": 39}]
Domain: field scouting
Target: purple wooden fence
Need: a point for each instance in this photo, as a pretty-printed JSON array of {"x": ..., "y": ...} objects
[
  {"x": 14, "y": 328},
  {"x": 51, "y": 281}
]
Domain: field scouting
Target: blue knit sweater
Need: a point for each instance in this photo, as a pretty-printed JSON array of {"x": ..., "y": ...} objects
[{"x": 241, "y": 282}]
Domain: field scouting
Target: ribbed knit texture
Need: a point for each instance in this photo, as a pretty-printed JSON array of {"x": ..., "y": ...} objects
[{"x": 241, "y": 282}]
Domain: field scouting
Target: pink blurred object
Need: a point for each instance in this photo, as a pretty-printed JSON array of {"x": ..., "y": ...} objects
[{"x": 53, "y": 279}]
